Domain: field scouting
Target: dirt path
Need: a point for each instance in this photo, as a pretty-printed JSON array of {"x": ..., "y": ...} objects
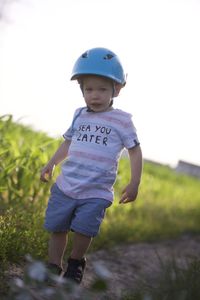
[{"x": 129, "y": 263}]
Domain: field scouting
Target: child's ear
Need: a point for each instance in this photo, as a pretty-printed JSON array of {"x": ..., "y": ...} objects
[{"x": 118, "y": 87}]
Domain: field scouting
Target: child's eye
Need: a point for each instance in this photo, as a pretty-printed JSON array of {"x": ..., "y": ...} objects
[
  {"x": 87, "y": 89},
  {"x": 103, "y": 89}
]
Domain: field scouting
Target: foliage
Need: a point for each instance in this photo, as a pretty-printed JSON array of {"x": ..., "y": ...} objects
[
  {"x": 23, "y": 198},
  {"x": 38, "y": 283},
  {"x": 176, "y": 282},
  {"x": 167, "y": 205}
]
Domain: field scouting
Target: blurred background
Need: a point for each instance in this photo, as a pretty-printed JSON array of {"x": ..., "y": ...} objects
[{"x": 157, "y": 42}]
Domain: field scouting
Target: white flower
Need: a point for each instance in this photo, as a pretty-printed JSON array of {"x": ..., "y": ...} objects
[
  {"x": 101, "y": 270},
  {"x": 37, "y": 271}
]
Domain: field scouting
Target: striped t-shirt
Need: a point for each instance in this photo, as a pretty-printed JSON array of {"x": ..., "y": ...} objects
[{"x": 97, "y": 140}]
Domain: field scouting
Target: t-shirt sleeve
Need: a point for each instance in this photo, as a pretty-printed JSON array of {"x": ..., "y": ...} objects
[
  {"x": 69, "y": 133},
  {"x": 129, "y": 134}
]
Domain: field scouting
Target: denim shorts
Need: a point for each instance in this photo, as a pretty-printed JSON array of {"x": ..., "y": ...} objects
[{"x": 79, "y": 215}]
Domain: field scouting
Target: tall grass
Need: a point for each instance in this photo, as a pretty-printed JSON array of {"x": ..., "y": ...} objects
[
  {"x": 23, "y": 198},
  {"x": 168, "y": 204},
  {"x": 175, "y": 282}
]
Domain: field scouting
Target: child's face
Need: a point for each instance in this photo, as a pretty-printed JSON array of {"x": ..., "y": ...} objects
[{"x": 97, "y": 92}]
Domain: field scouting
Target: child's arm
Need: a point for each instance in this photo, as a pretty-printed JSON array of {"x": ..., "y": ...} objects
[
  {"x": 130, "y": 192},
  {"x": 59, "y": 156}
]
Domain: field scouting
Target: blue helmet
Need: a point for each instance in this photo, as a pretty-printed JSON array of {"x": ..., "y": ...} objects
[{"x": 101, "y": 62}]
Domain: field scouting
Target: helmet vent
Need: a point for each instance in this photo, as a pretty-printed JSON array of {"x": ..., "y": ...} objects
[
  {"x": 108, "y": 56},
  {"x": 84, "y": 55}
]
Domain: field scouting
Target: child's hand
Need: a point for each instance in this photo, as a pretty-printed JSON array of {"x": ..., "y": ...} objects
[
  {"x": 47, "y": 172},
  {"x": 129, "y": 194}
]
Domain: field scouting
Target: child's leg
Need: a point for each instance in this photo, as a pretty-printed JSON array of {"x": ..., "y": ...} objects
[
  {"x": 88, "y": 217},
  {"x": 77, "y": 261},
  {"x": 57, "y": 246},
  {"x": 81, "y": 244}
]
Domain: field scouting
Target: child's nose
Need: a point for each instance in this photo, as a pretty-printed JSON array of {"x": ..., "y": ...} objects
[{"x": 95, "y": 94}]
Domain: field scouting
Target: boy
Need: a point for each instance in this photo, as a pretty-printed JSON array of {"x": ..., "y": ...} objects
[{"x": 92, "y": 146}]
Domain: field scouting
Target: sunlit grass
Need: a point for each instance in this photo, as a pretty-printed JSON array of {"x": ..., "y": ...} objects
[{"x": 168, "y": 203}]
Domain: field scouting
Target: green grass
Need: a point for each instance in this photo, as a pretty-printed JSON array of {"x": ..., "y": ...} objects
[
  {"x": 168, "y": 204},
  {"x": 174, "y": 283}
]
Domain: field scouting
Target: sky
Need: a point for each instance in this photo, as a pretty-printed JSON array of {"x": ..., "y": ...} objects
[{"x": 158, "y": 42}]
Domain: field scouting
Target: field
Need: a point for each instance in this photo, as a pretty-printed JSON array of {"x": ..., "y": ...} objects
[{"x": 168, "y": 203}]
